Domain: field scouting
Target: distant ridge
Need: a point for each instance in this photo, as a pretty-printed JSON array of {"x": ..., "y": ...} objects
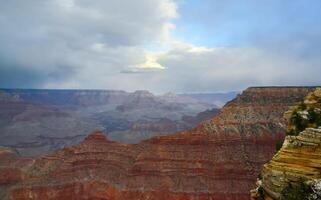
[
  {"x": 219, "y": 159},
  {"x": 38, "y": 121},
  {"x": 282, "y": 87}
]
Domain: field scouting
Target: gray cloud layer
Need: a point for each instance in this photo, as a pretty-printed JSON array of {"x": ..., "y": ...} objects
[
  {"x": 64, "y": 43},
  {"x": 111, "y": 45}
]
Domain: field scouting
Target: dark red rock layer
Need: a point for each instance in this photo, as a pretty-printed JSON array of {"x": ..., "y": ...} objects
[
  {"x": 219, "y": 159},
  {"x": 11, "y": 169}
]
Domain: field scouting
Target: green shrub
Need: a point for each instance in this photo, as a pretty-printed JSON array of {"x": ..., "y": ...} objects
[
  {"x": 298, "y": 123},
  {"x": 291, "y": 132},
  {"x": 278, "y": 145},
  {"x": 260, "y": 193},
  {"x": 297, "y": 191},
  {"x": 302, "y": 106}
]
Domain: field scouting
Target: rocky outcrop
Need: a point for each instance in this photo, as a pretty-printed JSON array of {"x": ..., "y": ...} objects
[
  {"x": 300, "y": 157},
  {"x": 297, "y": 166},
  {"x": 219, "y": 159}
]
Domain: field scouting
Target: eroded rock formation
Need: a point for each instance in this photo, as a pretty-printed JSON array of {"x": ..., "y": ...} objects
[
  {"x": 12, "y": 168},
  {"x": 299, "y": 158},
  {"x": 293, "y": 171},
  {"x": 219, "y": 159},
  {"x": 37, "y": 122}
]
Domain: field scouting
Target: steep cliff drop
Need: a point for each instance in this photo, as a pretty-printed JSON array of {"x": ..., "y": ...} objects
[
  {"x": 288, "y": 174},
  {"x": 294, "y": 173},
  {"x": 11, "y": 169},
  {"x": 220, "y": 159}
]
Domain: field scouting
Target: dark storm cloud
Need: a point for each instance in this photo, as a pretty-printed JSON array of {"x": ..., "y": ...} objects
[
  {"x": 63, "y": 43},
  {"x": 11, "y": 76}
]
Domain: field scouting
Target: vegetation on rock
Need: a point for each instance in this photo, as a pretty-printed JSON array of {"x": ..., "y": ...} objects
[
  {"x": 294, "y": 172},
  {"x": 297, "y": 191},
  {"x": 302, "y": 190},
  {"x": 305, "y": 115},
  {"x": 278, "y": 145}
]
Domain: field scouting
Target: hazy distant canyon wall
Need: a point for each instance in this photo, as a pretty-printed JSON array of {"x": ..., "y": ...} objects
[
  {"x": 219, "y": 159},
  {"x": 40, "y": 121}
]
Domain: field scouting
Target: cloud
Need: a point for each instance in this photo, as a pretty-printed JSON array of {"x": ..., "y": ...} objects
[
  {"x": 195, "y": 68},
  {"x": 159, "y": 45},
  {"x": 150, "y": 64},
  {"x": 90, "y": 39},
  {"x": 209, "y": 69}
]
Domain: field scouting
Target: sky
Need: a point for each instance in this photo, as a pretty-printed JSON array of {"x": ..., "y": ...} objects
[{"x": 159, "y": 45}]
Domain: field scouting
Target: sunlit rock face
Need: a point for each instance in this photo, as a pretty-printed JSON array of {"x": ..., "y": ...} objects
[
  {"x": 294, "y": 171},
  {"x": 219, "y": 159},
  {"x": 300, "y": 157}
]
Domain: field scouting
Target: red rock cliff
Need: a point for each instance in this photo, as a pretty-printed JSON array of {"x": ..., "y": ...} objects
[{"x": 219, "y": 159}]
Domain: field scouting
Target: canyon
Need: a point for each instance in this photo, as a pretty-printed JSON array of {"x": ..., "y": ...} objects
[
  {"x": 36, "y": 122},
  {"x": 218, "y": 159}
]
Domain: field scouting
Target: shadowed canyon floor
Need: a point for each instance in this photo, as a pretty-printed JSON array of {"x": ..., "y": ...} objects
[{"x": 219, "y": 159}]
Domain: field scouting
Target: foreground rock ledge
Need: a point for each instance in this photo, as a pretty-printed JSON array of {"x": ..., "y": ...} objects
[
  {"x": 219, "y": 159},
  {"x": 299, "y": 157}
]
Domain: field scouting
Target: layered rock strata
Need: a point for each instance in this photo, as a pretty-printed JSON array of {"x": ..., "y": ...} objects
[
  {"x": 12, "y": 168},
  {"x": 37, "y": 122},
  {"x": 299, "y": 158},
  {"x": 297, "y": 166},
  {"x": 219, "y": 159}
]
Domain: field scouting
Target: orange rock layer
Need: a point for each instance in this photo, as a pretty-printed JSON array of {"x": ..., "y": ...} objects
[{"x": 220, "y": 159}]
